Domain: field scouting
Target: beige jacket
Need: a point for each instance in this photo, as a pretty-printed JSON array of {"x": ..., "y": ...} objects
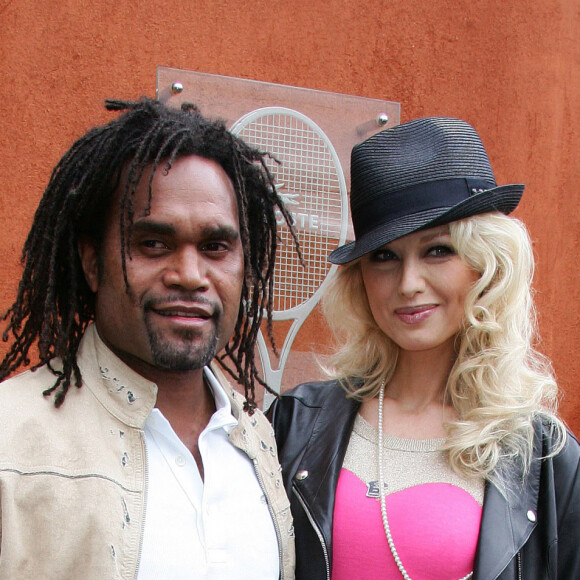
[{"x": 73, "y": 480}]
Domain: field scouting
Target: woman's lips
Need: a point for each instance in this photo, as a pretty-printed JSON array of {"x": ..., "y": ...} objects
[{"x": 415, "y": 314}]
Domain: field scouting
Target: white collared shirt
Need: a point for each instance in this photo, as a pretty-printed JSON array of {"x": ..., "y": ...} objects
[{"x": 219, "y": 528}]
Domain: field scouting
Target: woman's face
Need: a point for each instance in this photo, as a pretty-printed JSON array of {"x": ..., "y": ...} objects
[{"x": 416, "y": 288}]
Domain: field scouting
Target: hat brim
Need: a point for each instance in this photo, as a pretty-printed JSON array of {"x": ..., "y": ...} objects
[{"x": 503, "y": 199}]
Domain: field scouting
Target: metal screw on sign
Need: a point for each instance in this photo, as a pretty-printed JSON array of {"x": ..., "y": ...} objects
[
  {"x": 176, "y": 88},
  {"x": 382, "y": 119}
]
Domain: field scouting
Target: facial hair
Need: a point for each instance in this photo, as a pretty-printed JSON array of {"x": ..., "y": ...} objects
[{"x": 189, "y": 352}]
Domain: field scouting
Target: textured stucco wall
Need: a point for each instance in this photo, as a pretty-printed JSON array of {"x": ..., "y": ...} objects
[{"x": 509, "y": 67}]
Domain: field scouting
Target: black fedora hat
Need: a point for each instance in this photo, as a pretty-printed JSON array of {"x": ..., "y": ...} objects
[{"x": 419, "y": 175}]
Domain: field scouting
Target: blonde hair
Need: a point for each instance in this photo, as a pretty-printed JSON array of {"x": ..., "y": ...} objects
[{"x": 499, "y": 383}]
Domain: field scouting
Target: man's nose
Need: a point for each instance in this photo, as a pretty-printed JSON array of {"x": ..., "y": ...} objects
[{"x": 187, "y": 269}]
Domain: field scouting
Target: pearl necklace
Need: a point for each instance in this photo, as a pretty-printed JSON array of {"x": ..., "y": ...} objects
[{"x": 382, "y": 494}]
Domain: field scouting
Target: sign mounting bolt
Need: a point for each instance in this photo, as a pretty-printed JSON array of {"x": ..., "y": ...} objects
[{"x": 382, "y": 119}]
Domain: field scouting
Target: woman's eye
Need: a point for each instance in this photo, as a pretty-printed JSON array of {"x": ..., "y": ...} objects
[
  {"x": 441, "y": 251},
  {"x": 382, "y": 255}
]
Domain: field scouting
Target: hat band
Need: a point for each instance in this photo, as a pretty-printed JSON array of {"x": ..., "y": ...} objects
[{"x": 442, "y": 194}]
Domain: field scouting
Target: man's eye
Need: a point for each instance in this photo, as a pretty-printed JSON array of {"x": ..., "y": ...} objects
[
  {"x": 153, "y": 245},
  {"x": 215, "y": 246}
]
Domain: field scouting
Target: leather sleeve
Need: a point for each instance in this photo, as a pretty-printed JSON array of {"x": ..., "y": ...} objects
[{"x": 567, "y": 487}]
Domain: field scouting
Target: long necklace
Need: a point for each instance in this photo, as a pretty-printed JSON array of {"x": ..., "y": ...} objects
[{"x": 382, "y": 494}]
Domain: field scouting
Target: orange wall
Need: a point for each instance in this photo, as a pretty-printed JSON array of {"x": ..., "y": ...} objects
[{"x": 510, "y": 68}]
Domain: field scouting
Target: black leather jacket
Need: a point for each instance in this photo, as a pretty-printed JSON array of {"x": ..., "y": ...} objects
[{"x": 535, "y": 535}]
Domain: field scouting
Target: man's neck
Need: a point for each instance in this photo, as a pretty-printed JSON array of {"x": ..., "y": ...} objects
[
  {"x": 183, "y": 398},
  {"x": 188, "y": 404}
]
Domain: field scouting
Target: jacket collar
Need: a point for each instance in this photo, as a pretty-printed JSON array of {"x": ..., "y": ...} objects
[
  {"x": 238, "y": 434},
  {"x": 236, "y": 399},
  {"x": 508, "y": 520},
  {"x": 124, "y": 393}
]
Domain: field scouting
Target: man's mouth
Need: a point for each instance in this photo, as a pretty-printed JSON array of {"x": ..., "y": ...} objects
[{"x": 183, "y": 312}]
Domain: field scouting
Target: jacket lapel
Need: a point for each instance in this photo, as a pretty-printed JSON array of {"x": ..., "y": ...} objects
[
  {"x": 507, "y": 523},
  {"x": 322, "y": 461}
]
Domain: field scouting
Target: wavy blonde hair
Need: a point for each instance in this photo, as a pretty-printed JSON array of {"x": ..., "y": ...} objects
[{"x": 499, "y": 383}]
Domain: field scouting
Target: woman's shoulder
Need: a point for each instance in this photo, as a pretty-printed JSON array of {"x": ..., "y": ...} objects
[
  {"x": 316, "y": 393},
  {"x": 553, "y": 431},
  {"x": 313, "y": 400},
  {"x": 319, "y": 412},
  {"x": 561, "y": 446}
]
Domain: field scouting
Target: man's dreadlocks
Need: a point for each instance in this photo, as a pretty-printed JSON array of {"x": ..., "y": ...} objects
[{"x": 54, "y": 304}]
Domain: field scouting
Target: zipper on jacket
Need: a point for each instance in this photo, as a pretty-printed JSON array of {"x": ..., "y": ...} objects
[
  {"x": 519, "y": 565},
  {"x": 272, "y": 516},
  {"x": 316, "y": 529},
  {"x": 145, "y": 488}
]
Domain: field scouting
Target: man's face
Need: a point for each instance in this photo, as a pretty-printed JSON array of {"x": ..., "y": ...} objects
[{"x": 185, "y": 268}]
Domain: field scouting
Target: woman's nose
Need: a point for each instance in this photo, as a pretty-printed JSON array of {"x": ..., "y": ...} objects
[{"x": 412, "y": 279}]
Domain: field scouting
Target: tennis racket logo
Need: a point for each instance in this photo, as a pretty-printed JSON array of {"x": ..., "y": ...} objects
[
  {"x": 311, "y": 183},
  {"x": 300, "y": 219}
]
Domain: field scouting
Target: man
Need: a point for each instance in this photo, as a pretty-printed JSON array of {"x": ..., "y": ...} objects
[{"x": 152, "y": 250}]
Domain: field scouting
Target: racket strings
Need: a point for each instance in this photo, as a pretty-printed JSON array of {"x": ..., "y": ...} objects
[{"x": 308, "y": 181}]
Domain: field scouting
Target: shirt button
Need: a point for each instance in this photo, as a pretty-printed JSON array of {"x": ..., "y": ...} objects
[{"x": 180, "y": 460}]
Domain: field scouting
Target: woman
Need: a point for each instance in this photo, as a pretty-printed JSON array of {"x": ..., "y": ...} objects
[{"x": 436, "y": 451}]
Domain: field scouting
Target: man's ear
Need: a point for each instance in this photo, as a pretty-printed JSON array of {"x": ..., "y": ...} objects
[{"x": 90, "y": 262}]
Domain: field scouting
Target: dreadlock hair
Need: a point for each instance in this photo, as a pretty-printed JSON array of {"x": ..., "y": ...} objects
[{"x": 54, "y": 304}]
